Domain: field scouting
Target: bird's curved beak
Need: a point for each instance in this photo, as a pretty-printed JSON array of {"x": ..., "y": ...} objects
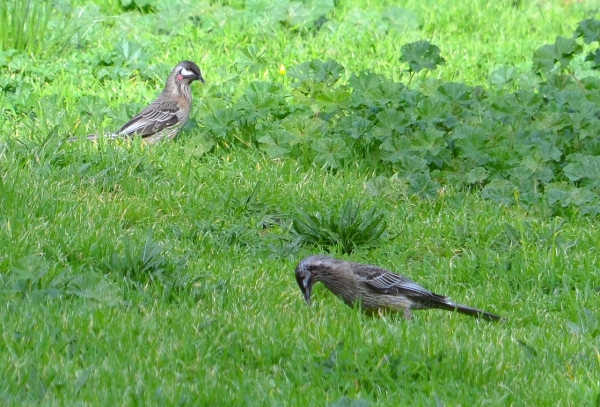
[
  {"x": 192, "y": 75},
  {"x": 306, "y": 288}
]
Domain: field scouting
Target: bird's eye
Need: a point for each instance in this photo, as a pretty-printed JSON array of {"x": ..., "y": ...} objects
[{"x": 186, "y": 72}]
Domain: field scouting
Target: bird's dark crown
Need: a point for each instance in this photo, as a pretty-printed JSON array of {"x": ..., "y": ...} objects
[
  {"x": 186, "y": 72},
  {"x": 315, "y": 262},
  {"x": 190, "y": 66}
]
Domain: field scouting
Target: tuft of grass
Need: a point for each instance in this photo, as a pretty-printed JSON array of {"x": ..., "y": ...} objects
[
  {"x": 140, "y": 266},
  {"x": 347, "y": 227},
  {"x": 28, "y": 25}
]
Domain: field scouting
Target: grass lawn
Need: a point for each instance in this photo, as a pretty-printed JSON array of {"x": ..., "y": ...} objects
[{"x": 164, "y": 275}]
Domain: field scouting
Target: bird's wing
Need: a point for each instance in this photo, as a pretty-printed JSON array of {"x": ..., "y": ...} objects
[
  {"x": 384, "y": 282},
  {"x": 156, "y": 117}
]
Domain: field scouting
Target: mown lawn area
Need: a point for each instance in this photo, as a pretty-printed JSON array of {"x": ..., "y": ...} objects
[{"x": 466, "y": 133}]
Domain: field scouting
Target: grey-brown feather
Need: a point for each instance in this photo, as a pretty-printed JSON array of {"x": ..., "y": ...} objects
[
  {"x": 166, "y": 115},
  {"x": 376, "y": 288},
  {"x": 162, "y": 119}
]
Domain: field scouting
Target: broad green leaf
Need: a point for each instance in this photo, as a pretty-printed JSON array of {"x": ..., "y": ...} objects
[
  {"x": 432, "y": 109},
  {"x": 430, "y": 142},
  {"x": 559, "y": 194},
  {"x": 476, "y": 175},
  {"x": 332, "y": 98},
  {"x": 276, "y": 10},
  {"x": 220, "y": 122},
  {"x": 535, "y": 168},
  {"x": 260, "y": 100},
  {"x": 594, "y": 58},
  {"x": 328, "y": 72},
  {"x": 277, "y": 143},
  {"x": 396, "y": 147},
  {"x": 28, "y": 272},
  {"x": 455, "y": 92},
  {"x": 561, "y": 52},
  {"x": 251, "y": 57},
  {"x": 198, "y": 146},
  {"x": 583, "y": 167},
  {"x": 581, "y": 196},
  {"x": 355, "y": 127},
  {"x": 503, "y": 76},
  {"x": 421, "y": 184},
  {"x": 391, "y": 119},
  {"x": 421, "y": 55},
  {"x": 304, "y": 126},
  {"x": 362, "y": 18},
  {"x": 588, "y": 29},
  {"x": 331, "y": 151},
  {"x": 500, "y": 191},
  {"x": 401, "y": 19},
  {"x": 305, "y": 14},
  {"x": 529, "y": 100},
  {"x": 366, "y": 82}
]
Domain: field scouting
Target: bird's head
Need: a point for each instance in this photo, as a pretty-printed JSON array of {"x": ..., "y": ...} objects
[
  {"x": 187, "y": 72},
  {"x": 308, "y": 272}
]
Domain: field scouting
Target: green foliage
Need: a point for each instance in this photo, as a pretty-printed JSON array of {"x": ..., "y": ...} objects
[
  {"x": 348, "y": 402},
  {"x": 145, "y": 6},
  {"x": 140, "y": 265},
  {"x": 561, "y": 52},
  {"x": 147, "y": 269},
  {"x": 34, "y": 26},
  {"x": 589, "y": 30},
  {"x": 484, "y": 171},
  {"x": 400, "y": 18},
  {"x": 346, "y": 228},
  {"x": 306, "y": 14},
  {"x": 450, "y": 133},
  {"x": 421, "y": 55},
  {"x": 31, "y": 278},
  {"x": 125, "y": 58}
]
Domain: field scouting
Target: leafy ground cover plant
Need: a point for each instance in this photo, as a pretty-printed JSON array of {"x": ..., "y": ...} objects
[{"x": 539, "y": 141}]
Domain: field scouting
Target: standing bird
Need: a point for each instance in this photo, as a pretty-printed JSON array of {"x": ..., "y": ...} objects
[
  {"x": 164, "y": 117},
  {"x": 374, "y": 288}
]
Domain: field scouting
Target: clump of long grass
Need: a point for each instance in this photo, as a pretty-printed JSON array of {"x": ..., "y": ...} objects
[
  {"x": 346, "y": 227},
  {"x": 33, "y": 26}
]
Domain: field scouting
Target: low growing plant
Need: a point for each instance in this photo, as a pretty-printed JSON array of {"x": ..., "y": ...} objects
[{"x": 346, "y": 227}]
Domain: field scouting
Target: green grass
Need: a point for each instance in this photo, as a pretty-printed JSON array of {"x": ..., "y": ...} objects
[{"x": 132, "y": 275}]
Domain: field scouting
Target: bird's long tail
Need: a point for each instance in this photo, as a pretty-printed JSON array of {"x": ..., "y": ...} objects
[{"x": 463, "y": 309}]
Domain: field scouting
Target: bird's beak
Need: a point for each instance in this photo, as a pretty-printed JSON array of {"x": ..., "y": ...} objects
[
  {"x": 307, "y": 288},
  {"x": 192, "y": 76}
]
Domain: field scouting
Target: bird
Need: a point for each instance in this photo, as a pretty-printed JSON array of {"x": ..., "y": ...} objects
[
  {"x": 373, "y": 288},
  {"x": 167, "y": 114}
]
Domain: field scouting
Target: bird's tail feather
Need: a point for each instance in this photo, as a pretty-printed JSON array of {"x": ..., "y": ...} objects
[{"x": 474, "y": 312}]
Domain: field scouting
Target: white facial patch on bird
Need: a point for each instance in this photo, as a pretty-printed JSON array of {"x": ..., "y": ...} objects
[{"x": 186, "y": 72}]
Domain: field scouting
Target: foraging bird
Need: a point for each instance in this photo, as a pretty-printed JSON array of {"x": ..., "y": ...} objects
[
  {"x": 374, "y": 288},
  {"x": 164, "y": 117}
]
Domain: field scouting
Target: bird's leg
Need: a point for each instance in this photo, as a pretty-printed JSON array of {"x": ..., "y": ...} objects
[{"x": 407, "y": 314}]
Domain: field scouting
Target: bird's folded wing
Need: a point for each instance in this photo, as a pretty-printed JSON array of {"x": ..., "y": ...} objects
[
  {"x": 153, "y": 119},
  {"x": 394, "y": 284}
]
